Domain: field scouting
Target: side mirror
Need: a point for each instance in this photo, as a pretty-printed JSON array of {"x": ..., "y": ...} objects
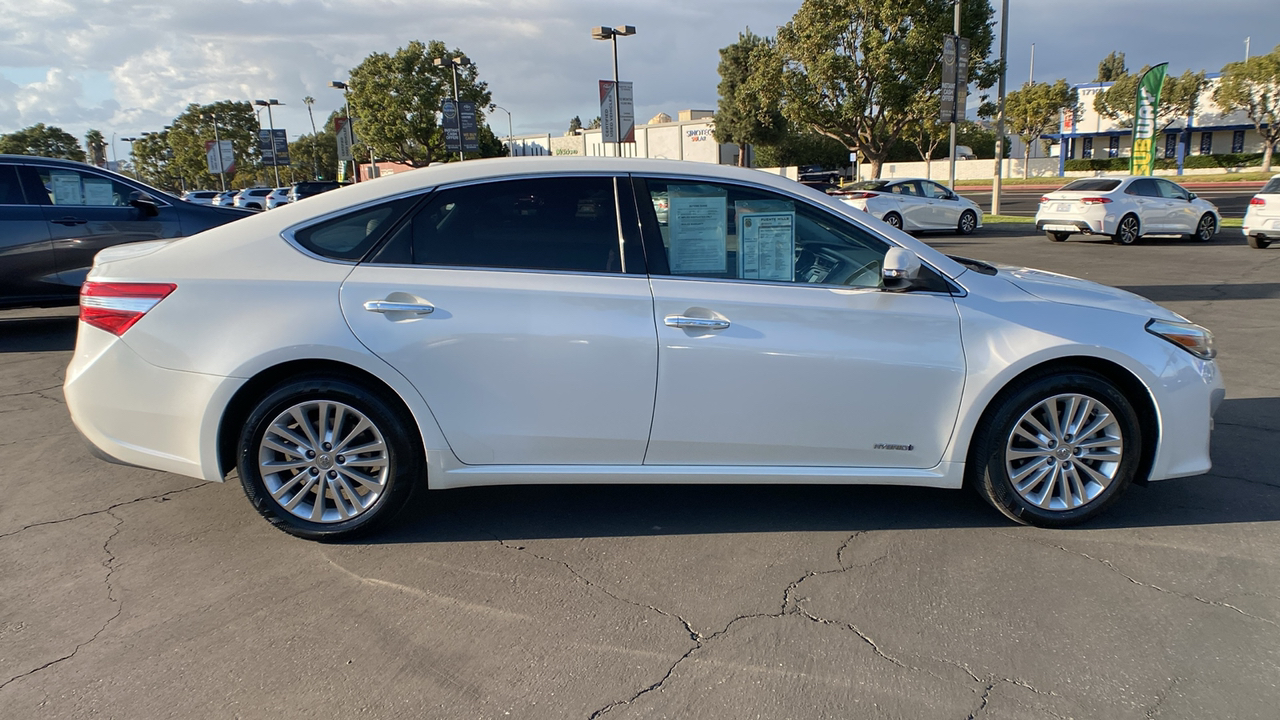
[
  {"x": 1191, "y": 196},
  {"x": 901, "y": 267},
  {"x": 144, "y": 203}
]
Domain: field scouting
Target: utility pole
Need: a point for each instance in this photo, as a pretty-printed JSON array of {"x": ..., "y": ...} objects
[
  {"x": 272, "y": 124},
  {"x": 955, "y": 119},
  {"x": 1031, "y": 78},
  {"x": 1004, "y": 70}
]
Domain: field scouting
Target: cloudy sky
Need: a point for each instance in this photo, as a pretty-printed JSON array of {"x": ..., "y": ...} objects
[{"x": 128, "y": 66}]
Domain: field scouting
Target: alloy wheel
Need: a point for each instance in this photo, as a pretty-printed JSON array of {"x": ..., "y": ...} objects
[
  {"x": 1205, "y": 230},
  {"x": 324, "y": 461},
  {"x": 1064, "y": 452},
  {"x": 1127, "y": 233}
]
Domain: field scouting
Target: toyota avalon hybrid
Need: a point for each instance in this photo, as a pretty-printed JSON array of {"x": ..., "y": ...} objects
[{"x": 537, "y": 320}]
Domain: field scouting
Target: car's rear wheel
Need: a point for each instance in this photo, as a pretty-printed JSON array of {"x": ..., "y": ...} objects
[
  {"x": 968, "y": 223},
  {"x": 1056, "y": 450},
  {"x": 1056, "y": 236},
  {"x": 1259, "y": 243},
  {"x": 894, "y": 219},
  {"x": 1127, "y": 231},
  {"x": 1205, "y": 229},
  {"x": 324, "y": 458}
]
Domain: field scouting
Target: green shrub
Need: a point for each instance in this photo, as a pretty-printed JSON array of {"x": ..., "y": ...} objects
[{"x": 1096, "y": 164}]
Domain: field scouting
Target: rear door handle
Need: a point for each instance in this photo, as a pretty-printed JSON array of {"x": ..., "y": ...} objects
[
  {"x": 69, "y": 221},
  {"x": 680, "y": 321},
  {"x": 387, "y": 306}
]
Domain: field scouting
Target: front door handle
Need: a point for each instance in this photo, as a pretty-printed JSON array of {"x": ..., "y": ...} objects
[
  {"x": 69, "y": 221},
  {"x": 387, "y": 306},
  {"x": 680, "y": 321}
]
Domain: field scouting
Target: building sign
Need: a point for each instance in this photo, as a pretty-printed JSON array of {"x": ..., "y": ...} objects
[
  {"x": 220, "y": 157},
  {"x": 346, "y": 139},
  {"x": 625, "y": 109}
]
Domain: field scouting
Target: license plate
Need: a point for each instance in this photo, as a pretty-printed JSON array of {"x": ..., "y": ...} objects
[
  {"x": 1064, "y": 207},
  {"x": 1062, "y": 228}
]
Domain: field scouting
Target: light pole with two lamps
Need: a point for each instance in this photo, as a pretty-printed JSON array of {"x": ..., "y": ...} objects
[
  {"x": 346, "y": 101},
  {"x": 612, "y": 33},
  {"x": 272, "y": 124},
  {"x": 510, "y": 148},
  {"x": 454, "y": 63}
]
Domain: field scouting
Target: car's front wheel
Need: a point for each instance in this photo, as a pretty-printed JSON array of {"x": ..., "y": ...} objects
[
  {"x": 1205, "y": 229},
  {"x": 324, "y": 458},
  {"x": 1127, "y": 231},
  {"x": 1056, "y": 450},
  {"x": 968, "y": 223}
]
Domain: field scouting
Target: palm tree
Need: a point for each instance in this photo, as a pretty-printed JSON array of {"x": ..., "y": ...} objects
[
  {"x": 97, "y": 146},
  {"x": 315, "y": 164}
]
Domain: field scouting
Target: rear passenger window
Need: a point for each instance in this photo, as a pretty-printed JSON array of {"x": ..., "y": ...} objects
[
  {"x": 10, "y": 189},
  {"x": 565, "y": 224},
  {"x": 349, "y": 236}
]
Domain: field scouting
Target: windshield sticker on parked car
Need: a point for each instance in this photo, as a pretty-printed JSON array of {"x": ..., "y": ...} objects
[{"x": 699, "y": 229}]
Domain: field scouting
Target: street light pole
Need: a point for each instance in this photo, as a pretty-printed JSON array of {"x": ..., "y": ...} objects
[
  {"x": 510, "y": 134},
  {"x": 346, "y": 104},
  {"x": 217, "y": 146},
  {"x": 132, "y": 160},
  {"x": 453, "y": 64},
  {"x": 612, "y": 33},
  {"x": 955, "y": 119},
  {"x": 315, "y": 162},
  {"x": 1004, "y": 69},
  {"x": 275, "y": 166}
]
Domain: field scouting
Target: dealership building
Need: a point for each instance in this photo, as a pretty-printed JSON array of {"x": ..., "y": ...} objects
[{"x": 691, "y": 136}]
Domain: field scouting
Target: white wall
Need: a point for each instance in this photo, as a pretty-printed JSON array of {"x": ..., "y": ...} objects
[{"x": 965, "y": 169}]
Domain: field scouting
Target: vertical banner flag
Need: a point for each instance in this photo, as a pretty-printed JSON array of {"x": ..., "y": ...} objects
[
  {"x": 612, "y": 127},
  {"x": 608, "y": 123},
  {"x": 449, "y": 123},
  {"x": 1143, "y": 159},
  {"x": 947, "y": 98},
  {"x": 468, "y": 126},
  {"x": 342, "y": 129}
]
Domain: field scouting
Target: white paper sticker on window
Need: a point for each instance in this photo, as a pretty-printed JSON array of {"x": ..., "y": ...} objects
[
  {"x": 698, "y": 229},
  {"x": 767, "y": 245},
  {"x": 98, "y": 192},
  {"x": 65, "y": 188}
]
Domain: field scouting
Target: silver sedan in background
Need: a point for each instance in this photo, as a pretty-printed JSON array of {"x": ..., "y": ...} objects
[{"x": 913, "y": 204}]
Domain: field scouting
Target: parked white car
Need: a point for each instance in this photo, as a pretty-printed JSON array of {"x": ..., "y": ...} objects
[
  {"x": 200, "y": 197},
  {"x": 253, "y": 198},
  {"x": 226, "y": 198},
  {"x": 1262, "y": 220},
  {"x": 1127, "y": 209},
  {"x": 278, "y": 197},
  {"x": 497, "y": 322},
  {"x": 914, "y": 204}
]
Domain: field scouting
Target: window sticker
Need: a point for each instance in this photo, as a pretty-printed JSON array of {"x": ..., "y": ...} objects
[
  {"x": 66, "y": 189},
  {"x": 766, "y": 240},
  {"x": 699, "y": 229},
  {"x": 98, "y": 192}
]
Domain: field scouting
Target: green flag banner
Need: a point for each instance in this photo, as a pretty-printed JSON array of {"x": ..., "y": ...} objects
[{"x": 1143, "y": 159}]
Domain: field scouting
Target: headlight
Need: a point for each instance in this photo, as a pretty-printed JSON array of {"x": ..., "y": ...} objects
[{"x": 1189, "y": 336}]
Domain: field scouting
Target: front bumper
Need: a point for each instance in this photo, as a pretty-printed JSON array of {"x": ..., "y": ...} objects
[{"x": 136, "y": 413}]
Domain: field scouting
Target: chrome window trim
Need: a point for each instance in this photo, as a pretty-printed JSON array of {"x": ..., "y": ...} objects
[{"x": 526, "y": 271}]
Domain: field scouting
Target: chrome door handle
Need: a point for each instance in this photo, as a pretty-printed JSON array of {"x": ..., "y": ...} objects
[
  {"x": 386, "y": 306},
  {"x": 680, "y": 321}
]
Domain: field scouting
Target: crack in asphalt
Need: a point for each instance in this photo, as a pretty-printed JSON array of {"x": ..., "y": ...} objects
[
  {"x": 107, "y": 510},
  {"x": 1111, "y": 566},
  {"x": 37, "y": 392},
  {"x": 1161, "y": 697},
  {"x": 986, "y": 696},
  {"x": 1244, "y": 480},
  {"x": 110, "y": 565}
]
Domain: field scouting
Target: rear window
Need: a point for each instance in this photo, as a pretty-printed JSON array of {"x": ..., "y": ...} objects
[
  {"x": 1272, "y": 187},
  {"x": 349, "y": 236},
  {"x": 1092, "y": 185}
]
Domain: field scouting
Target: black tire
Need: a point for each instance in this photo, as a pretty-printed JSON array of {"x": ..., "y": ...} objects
[
  {"x": 403, "y": 460},
  {"x": 1056, "y": 236},
  {"x": 1205, "y": 229},
  {"x": 1259, "y": 243},
  {"x": 989, "y": 467},
  {"x": 894, "y": 219},
  {"x": 1127, "y": 231},
  {"x": 967, "y": 224}
]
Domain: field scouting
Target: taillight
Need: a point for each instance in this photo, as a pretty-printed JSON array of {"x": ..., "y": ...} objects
[
  {"x": 859, "y": 195},
  {"x": 1257, "y": 201},
  {"x": 115, "y": 307},
  {"x": 1095, "y": 201},
  {"x": 1044, "y": 199}
]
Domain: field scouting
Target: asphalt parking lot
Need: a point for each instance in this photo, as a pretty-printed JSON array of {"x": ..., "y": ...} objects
[{"x": 134, "y": 594}]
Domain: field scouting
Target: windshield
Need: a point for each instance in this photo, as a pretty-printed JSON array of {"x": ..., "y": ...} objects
[
  {"x": 1092, "y": 185},
  {"x": 1272, "y": 187},
  {"x": 867, "y": 185}
]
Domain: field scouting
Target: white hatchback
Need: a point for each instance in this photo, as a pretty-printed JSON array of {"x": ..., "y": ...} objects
[
  {"x": 532, "y": 320},
  {"x": 1262, "y": 220},
  {"x": 1126, "y": 209},
  {"x": 914, "y": 204}
]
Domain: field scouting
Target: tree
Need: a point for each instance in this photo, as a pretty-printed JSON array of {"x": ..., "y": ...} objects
[
  {"x": 1253, "y": 87},
  {"x": 1179, "y": 96},
  {"x": 575, "y": 125},
  {"x": 594, "y": 124},
  {"x": 323, "y": 146},
  {"x": 44, "y": 141},
  {"x": 927, "y": 132},
  {"x": 1112, "y": 67},
  {"x": 742, "y": 118},
  {"x": 1034, "y": 109},
  {"x": 195, "y": 126},
  {"x": 854, "y": 69},
  {"x": 803, "y": 148},
  {"x": 982, "y": 140},
  {"x": 396, "y": 99},
  {"x": 97, "y": 146}
]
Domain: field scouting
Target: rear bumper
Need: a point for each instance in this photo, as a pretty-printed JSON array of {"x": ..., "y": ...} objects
[
  {"x": 1076, "y": 226},
  {"x": 135, "y": 413}
]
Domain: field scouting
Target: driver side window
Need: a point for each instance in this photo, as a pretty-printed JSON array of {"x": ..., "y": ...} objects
[{"x": 717, "y": 230}]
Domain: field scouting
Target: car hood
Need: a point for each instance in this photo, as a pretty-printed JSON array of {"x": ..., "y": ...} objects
[{"x": 1075, "y": 291}]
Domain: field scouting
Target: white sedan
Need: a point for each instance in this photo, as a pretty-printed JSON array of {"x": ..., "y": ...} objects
[
  {"x": 531, "y": 320},
  {"x": 1126, "y": 209},
  {"x": 1262, "y": 219},
  {"x": 913, "y": 204}
]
